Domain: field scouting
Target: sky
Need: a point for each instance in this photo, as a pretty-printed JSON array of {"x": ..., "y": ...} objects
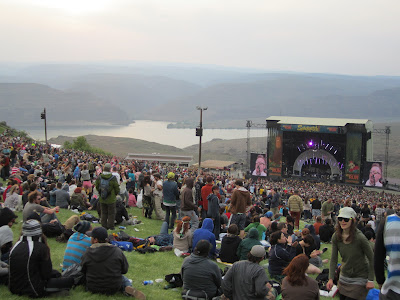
[{"x": 357, "y": 37}]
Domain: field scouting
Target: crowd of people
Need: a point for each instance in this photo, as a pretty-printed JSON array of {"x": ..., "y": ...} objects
[{"x": 244, "y": 216}]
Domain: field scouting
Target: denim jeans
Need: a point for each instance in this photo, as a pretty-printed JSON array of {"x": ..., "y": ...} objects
[
  {"x": 168, "y": 211},
  {"x": 125, "y": 283}
]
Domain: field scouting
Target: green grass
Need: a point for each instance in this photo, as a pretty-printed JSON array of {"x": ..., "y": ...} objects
[{"x": 141, "y": 266}]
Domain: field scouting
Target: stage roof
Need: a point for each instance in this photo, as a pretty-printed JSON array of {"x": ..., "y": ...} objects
[
  {"x": 215, "y": 164},
  {"x": 316, "y": 121}
]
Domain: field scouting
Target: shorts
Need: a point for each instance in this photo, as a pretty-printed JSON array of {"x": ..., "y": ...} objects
[
  {"x": 239, "y": 220},
  {"x": 316, "y": 212}
]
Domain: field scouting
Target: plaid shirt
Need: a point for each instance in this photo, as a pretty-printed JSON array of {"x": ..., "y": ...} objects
[{"x": 379, "y": 213}]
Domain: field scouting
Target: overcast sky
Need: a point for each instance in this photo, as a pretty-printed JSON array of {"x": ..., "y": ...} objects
[{"x": 340, "y": 36}]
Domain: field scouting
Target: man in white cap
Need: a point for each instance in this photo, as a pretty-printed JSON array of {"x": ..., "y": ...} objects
[{"x": 256, "y": 285}]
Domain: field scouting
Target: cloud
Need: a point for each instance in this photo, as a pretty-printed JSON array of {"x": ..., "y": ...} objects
[{"x": 352, "y": 37}]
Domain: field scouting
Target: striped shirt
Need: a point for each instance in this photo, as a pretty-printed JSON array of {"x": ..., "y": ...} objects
[
  {"x": 76, "y": 247},
  {"x": 392, "y": 245}
]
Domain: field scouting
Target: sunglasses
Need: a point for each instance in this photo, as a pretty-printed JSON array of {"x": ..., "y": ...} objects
[{"x": 340, "y": 219}]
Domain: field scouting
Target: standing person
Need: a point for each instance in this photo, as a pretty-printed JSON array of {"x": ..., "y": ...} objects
[
  {"x": 357, "y": 271},
  {"x": 386, "y": 244},
  {"x": 379, "y": 214},
  {"x": 85, "y": 176},
  {"x": 213, "y": 210},
  {"x": 188, "y": 207},
  {"x": 295, "y": 207},
  {"x": 171, "y": 193},
  {"x": 246, "y": 279},
  {"x": 327, "y": 209},
  {"x": 103, "y": 265},
  {"x": 108, "y": 188},
  {"x": 316, "y": 207},
  {"x": 307, "y": 209},
  {"x": 275, "y": 201},
  {"x": 239, "y": 202},
  {"x": 147, "y": 200},
  {"x": 158, "y": 195},
  {"x": 296, "y": 285},
  {"x": 205, "y": 191}
]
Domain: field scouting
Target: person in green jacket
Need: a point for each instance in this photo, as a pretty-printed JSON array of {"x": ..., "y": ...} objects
[
  {"x": 107, "y": 204},
  {"x": 256, "y": 224},
  {"x": 357, "y": 270},
  {"x": 248, "y": 243}
]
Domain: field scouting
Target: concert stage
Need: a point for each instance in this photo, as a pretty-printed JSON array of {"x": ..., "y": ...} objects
[{"x": 320, "y": 148}]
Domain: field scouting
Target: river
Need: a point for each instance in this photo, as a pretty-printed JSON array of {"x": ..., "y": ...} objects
[{"x": 152, "y": 131}]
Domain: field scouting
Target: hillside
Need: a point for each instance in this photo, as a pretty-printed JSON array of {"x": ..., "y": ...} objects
[
  {"x": 122, "y": 146},
  {"x": 22, "y": 103}
]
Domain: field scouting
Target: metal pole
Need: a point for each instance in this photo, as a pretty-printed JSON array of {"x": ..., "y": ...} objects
[
  {"x": 387, "y": 131},
  {"x": 45, "y": 125},
  {"x": 201, "y": 133},
  {"x": 248, "y": 125}
]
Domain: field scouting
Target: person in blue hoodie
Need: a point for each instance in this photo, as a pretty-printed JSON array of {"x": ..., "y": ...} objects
[{"x": 205, "y": 233}]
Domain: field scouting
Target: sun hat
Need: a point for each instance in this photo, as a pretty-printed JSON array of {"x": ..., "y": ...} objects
[
  {"x": 347, "y": 212},
  {"x": 258, "y": 251}
]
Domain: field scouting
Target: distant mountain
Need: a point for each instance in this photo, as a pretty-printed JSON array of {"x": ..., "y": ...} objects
[
  {"x": 134, "y": 94},
  {"x": 294, "y": 95},
  {"x": 22, "y": 103},
  {"x": 171, "y": 92}
]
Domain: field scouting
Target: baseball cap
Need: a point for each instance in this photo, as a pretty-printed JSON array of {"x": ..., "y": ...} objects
[{"x": 347, "y": 212}]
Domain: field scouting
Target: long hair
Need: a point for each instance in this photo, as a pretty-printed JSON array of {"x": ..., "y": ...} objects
[
  {"x": 296, "y": 271},
  {"x": 185, "y": 223},
  {"x": 339, "y": 231}
]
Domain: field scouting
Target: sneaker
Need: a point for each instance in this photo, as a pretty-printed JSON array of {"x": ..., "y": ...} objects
[
  {"x": 185, "y": 254},
  {"x": 131, "y": 291}
]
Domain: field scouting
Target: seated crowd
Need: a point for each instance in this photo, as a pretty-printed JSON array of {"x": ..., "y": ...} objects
[{"x": 202, "y": 211}]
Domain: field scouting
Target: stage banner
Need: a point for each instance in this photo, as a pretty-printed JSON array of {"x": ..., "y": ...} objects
[
  {"x": 353, "y": 157},
  {"x": 275, "y": 155},
  {"x": 373, "y": 175},
  {"x": 258, "y": 164},
  {"x": 310, "y": 128}
]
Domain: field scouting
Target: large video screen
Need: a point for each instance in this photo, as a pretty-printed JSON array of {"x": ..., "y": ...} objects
[
  {"x": 258, "y": 164},
  {"x": 373, "y": 174}
]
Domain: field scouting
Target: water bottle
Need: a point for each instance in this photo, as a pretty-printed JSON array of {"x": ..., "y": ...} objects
[
  {"x": 122, "y": 227},
  {"x": 148, "y": 282}
]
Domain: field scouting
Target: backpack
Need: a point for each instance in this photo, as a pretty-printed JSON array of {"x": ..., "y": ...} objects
[{"x": 104, "y": 189}]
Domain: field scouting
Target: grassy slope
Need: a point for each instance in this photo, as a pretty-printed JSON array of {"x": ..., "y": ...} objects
[{"x": 142, "y": 266}]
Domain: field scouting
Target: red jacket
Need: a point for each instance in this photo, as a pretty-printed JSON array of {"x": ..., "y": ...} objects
[{"x": 205, "y": 191}]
